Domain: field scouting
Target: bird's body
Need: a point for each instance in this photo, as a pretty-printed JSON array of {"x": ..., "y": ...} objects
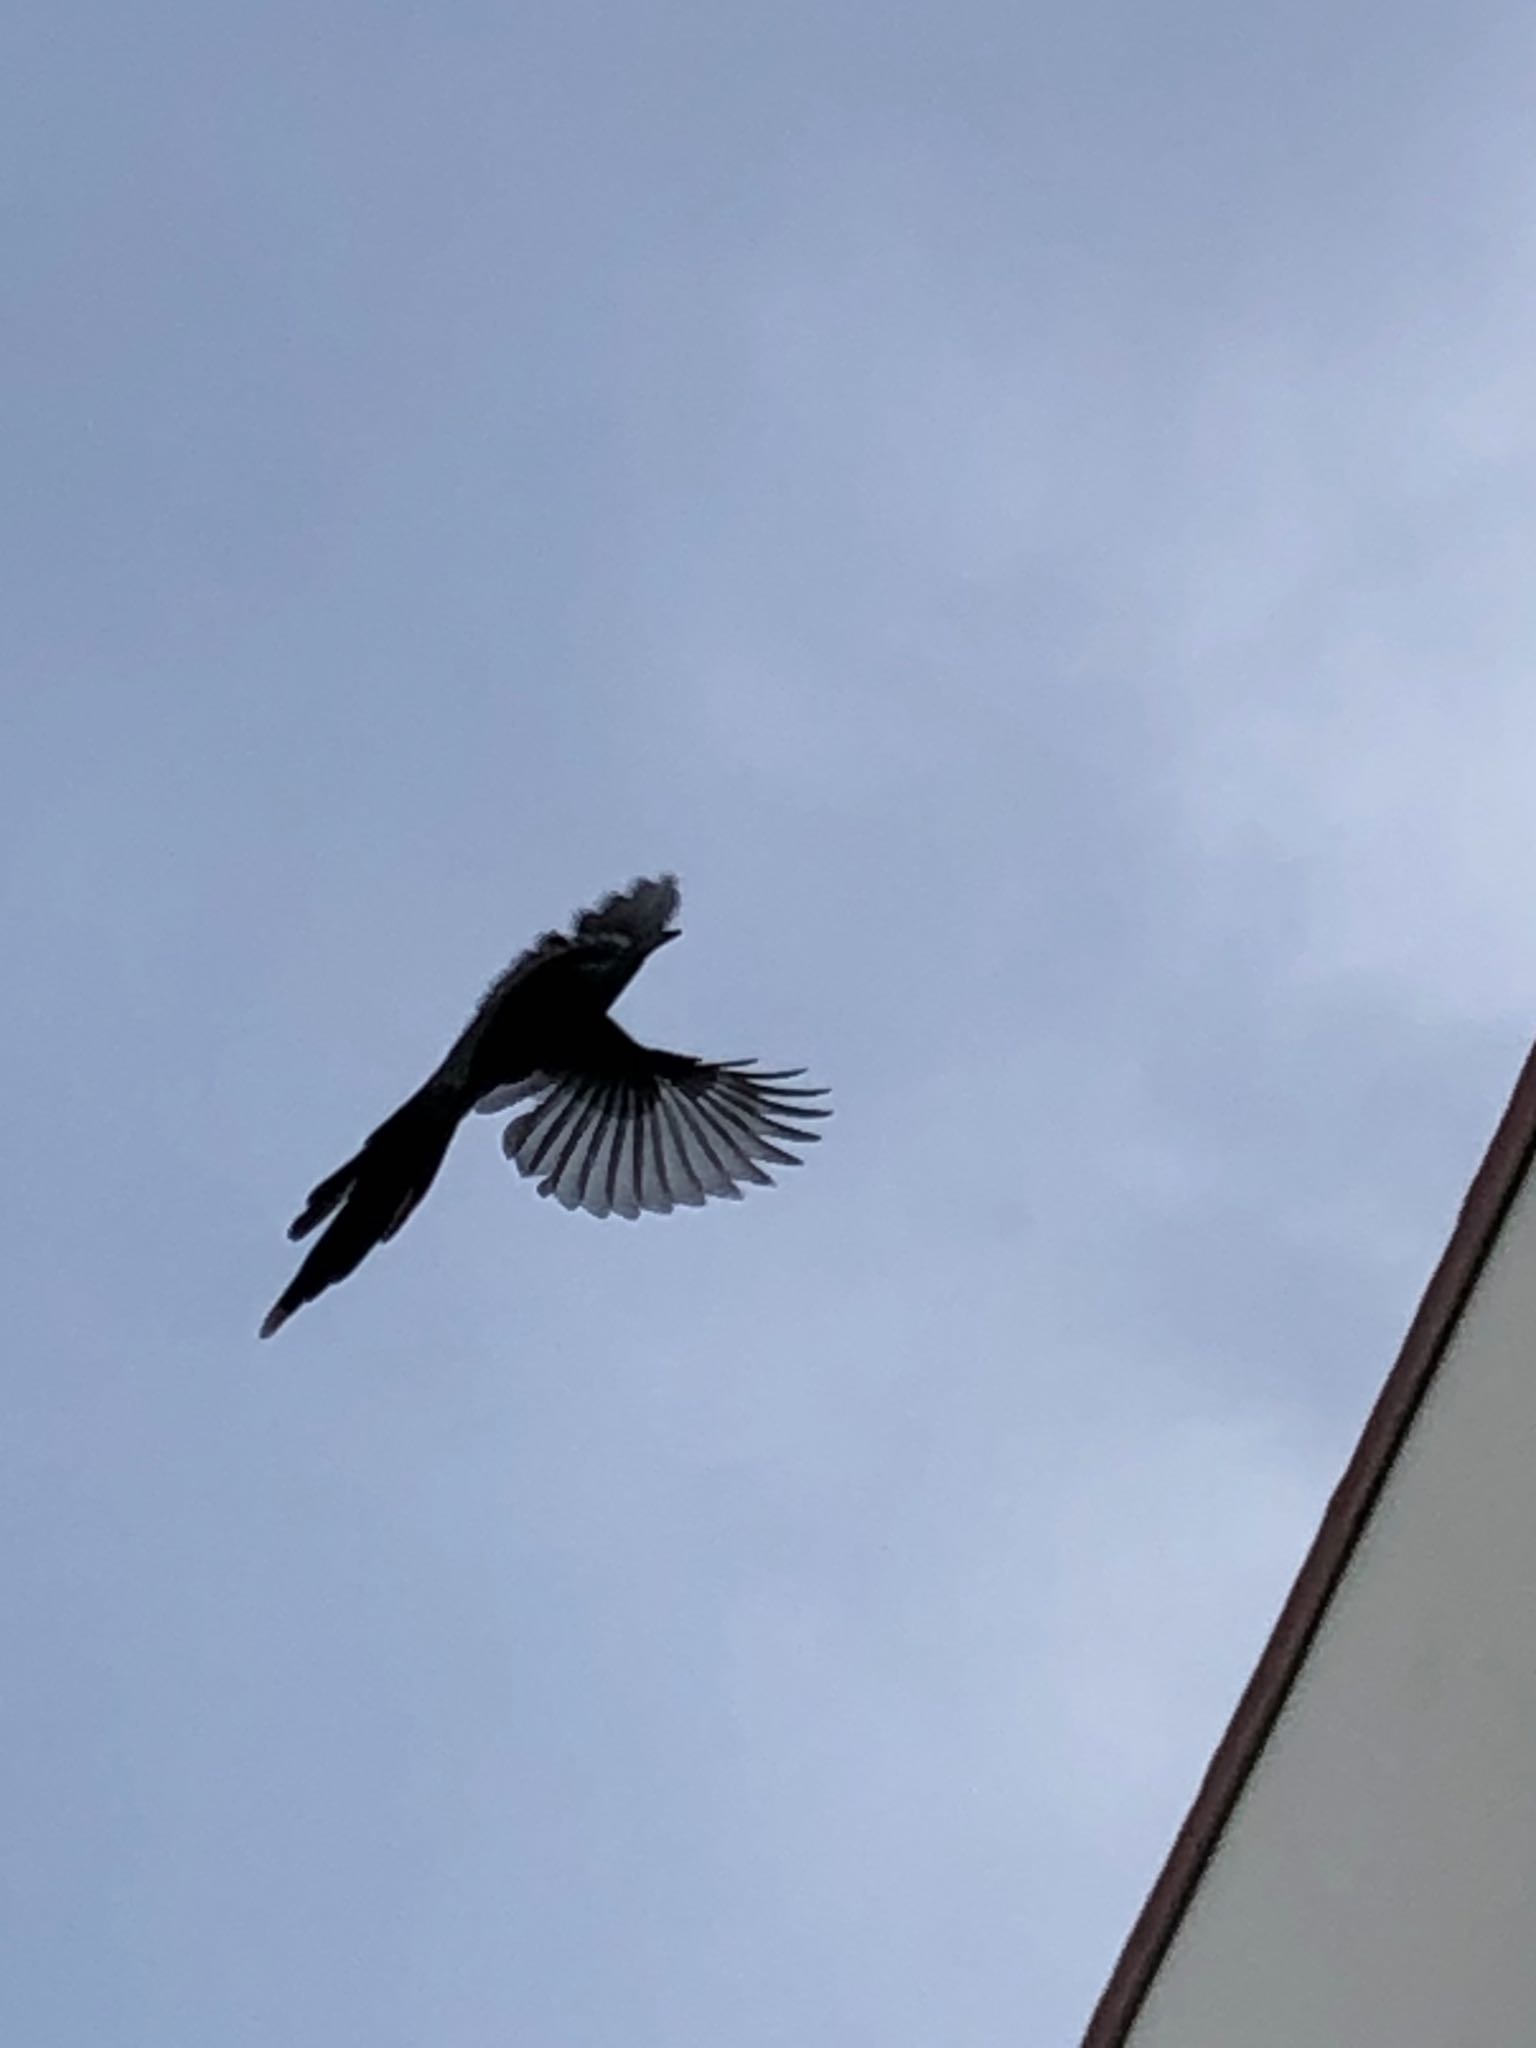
[{"x": 615, "y": 1127}]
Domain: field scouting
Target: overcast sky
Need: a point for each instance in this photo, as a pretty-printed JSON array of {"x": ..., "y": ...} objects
[{"x": 1030, "y": 511}]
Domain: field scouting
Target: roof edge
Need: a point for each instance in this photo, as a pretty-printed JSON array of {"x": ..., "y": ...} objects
[{"x": 1487, "y": 1203}]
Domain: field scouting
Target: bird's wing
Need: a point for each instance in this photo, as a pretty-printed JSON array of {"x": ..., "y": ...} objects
[
  {"x": 636, "y": 1128},
  {"x": 513, "y": 1091}
]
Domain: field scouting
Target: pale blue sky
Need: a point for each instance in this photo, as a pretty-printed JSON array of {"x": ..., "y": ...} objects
[{"x": 1029, "y": 511}]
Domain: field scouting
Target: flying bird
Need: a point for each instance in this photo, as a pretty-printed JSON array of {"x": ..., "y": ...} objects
[{"x": 614, "y": 1127}]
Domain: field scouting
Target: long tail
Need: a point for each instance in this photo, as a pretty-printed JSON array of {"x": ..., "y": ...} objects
[{"x": 372, "y": 1195}]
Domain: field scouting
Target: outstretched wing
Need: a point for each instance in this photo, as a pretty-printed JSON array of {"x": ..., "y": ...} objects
[{"x": 639, "y": 1129}]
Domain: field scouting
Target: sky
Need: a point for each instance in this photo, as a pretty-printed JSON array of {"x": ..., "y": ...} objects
[{"x": 1029, "y": 511}]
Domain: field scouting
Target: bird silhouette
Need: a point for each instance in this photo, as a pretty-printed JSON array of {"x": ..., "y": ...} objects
[{"x": 614, "y": 1127}]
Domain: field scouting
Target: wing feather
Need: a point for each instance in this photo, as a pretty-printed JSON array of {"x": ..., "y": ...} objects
[{"x": 683, "y": 1132}]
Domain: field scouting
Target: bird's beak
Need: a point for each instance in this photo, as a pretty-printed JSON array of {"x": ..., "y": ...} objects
[{"x": 662, "y": 938}]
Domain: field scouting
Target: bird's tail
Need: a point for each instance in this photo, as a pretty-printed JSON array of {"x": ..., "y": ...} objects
[{"x": 371, "y": 1196}]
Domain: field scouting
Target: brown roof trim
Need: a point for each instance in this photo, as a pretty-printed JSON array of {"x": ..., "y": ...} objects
[{"x": 1482, "y": 1215}]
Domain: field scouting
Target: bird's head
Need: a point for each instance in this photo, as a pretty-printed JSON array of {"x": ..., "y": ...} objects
[
  {"x": 607, "y": 962},
  {"x": 641, "y": 915},
  {"x": 606, "y": 946}
]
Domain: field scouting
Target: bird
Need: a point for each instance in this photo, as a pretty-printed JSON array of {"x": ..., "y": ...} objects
[{"x": 613, "y": 1127}]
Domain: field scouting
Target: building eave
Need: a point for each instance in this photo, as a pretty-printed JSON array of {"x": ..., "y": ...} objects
[{"x": 1482, "y": 1215}]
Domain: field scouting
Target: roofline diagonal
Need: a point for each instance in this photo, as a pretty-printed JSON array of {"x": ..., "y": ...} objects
[{"x": 1487, "y": 1203}]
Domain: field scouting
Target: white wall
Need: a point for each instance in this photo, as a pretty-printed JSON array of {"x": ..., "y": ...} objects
[{"x": 1376, "y": 1887}]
